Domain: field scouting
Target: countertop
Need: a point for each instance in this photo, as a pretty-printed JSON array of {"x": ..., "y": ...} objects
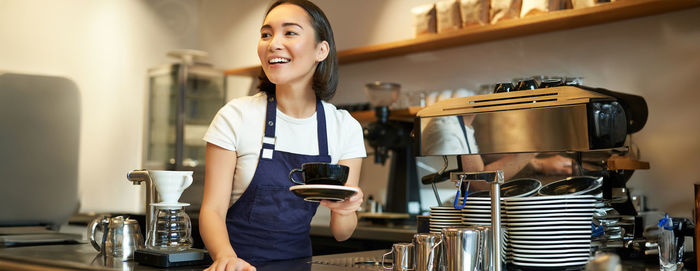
[{"x": 84, "y": 257}]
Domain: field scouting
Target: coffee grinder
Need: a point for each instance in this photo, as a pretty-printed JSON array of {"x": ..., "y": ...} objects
[
  {"x": 168, "y": 227},
  {"x": 383, "y": 136}
]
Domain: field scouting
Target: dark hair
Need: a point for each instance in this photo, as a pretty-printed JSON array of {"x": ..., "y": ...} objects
[{"x": 325, "y": 79}]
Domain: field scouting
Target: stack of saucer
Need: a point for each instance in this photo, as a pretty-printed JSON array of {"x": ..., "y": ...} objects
[
  {"x": 477, "y": 211},
  {"x": 443, "y": 217},
  {"x": 549, "y": 231}
]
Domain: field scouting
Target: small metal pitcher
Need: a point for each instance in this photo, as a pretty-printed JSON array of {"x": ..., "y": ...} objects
[
  {"x": 120, "y": 237},
  {"x": 427, "y": 247},
  {"x": 402, "y": 257}
]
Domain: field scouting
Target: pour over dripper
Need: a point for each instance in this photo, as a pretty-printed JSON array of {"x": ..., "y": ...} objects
[
  {"x": 170, "y": 228},
  {"x": 170, "y": 184}
]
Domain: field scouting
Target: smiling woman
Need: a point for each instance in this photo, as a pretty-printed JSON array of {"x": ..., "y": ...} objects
[
  {"x": 300, "y": 32},
  {"x": 248, "y": 213}
]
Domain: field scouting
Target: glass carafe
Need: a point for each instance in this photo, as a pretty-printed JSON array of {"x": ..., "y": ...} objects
[{"x": 171, "y": 229}]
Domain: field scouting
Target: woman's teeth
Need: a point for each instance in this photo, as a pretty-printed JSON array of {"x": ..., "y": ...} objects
[{"x": 278, "y": 60}]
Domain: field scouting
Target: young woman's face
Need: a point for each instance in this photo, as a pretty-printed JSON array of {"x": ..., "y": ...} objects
[{"x": 287, "y": 48}]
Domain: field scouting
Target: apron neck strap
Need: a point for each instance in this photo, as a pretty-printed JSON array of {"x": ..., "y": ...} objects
[{"x": 271, "y": 119}]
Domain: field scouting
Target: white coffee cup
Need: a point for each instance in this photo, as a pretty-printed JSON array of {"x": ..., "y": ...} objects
[{"x": 170, "y": 184}]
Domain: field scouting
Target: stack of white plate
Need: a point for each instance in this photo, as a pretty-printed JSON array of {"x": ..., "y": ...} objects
[
  {"x": 549, "y": 231},
  {"x": 477, "y": 211},
  {"x": 443, "y": 217}
]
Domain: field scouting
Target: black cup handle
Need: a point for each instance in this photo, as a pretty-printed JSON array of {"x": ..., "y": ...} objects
[{"x": 292, "y": 178}]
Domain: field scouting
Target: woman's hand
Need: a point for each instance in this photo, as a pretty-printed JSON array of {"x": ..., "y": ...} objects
[
  {"x": 552, "y": 165},
  {"x": 230, "y": 263},
  {"x": 347, "y": 206}
]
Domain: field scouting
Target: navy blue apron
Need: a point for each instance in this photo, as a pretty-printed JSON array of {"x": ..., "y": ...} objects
[
  {"x": 464, "y": 132},
  {"x": 269, "y": 222}
]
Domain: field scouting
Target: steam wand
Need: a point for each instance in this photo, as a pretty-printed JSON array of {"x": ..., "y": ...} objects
[
  {"x": 139, "y": 176},
  {"x": 496, "y": 179}
]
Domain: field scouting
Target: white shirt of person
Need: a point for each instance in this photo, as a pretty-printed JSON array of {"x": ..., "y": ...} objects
[{"x": 240, "y": 125}]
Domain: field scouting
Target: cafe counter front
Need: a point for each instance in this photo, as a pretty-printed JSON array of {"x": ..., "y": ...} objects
[{"x": 84, "y": 257}]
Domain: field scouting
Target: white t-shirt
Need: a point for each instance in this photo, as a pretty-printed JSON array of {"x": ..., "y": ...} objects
[{"x": 240, "y": 125}]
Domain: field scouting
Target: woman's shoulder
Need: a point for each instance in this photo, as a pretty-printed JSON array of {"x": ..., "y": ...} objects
[
  {"x": 247, "y": 102},
  {"x": 341, "y": 116}
]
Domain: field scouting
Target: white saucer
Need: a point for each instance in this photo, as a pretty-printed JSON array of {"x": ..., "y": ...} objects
[
  {"x": 170, "y": 205},
  {"x": 549, "y": 265},
  {"x": 542, "y": 242},
  {"x": 318, "y": 192},
  {"x": 555, "y": 206},
  {"x": 557, "y": 260},
  {"x": 554, "y": 238},
  {"x": 540, "y": 198},
  {"x": 552, "y": 218},
  {"x": 543, "y": 215},
  {"x": 548, "y": 211},
  {"x": 544, "y": 247},
  {"x": 518, "y": 234},
  {"x": 550, "y": 252}
]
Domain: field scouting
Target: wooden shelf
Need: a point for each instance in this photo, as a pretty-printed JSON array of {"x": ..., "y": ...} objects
[
  {"x": 406, "y": 114},
  {"x": 542, "y": 23}
]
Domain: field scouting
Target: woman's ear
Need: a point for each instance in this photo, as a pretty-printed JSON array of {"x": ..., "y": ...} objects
[{"x": 322, "y": 51}]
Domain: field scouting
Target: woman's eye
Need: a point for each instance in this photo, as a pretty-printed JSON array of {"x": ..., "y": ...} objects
[
  {"x": 291, "y": 33},
  {"x": 265, "y": 35}
]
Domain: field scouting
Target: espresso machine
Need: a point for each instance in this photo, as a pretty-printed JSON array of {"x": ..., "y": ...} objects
[{"x": 591, "y": 124}]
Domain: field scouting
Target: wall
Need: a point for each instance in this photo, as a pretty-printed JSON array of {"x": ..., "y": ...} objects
[
  {"x": 657, "y": 57},
  {"x": 106, "y": 47}
]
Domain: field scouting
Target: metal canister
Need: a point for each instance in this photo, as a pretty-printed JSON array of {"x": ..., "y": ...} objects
[
  {"x": 428, "y": 251},
  {"x": 488, "y": 261},
  {"x": 463, "y": 247},
  {"x": 403, "y": 257}
]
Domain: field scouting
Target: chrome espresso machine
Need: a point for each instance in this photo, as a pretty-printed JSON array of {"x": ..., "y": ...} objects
[{"x": 591, "y": 125}]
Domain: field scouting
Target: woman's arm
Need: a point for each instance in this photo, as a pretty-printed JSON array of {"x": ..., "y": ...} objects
[
  {"x": 218, "y": 182},
  {"x": 511, "y": 164},
  {"x": 343, "y": 216}
]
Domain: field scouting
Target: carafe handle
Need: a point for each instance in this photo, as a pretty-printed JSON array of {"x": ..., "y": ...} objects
[
  {"x": 384, "y": 256},
  {"x": 100, "y": 221}
]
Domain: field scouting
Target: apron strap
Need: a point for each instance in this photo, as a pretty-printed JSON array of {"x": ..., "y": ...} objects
[
  {"x": 464, "y": 132},
  {"x": 268, "y": 141},
  {"x": 268, "y": 146},
  {"x": 321, "y": 129}
]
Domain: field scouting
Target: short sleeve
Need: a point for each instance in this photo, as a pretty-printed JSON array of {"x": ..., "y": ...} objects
[
  {"x": 222, "y": 130},
  {"x": 353, "y": 143}
]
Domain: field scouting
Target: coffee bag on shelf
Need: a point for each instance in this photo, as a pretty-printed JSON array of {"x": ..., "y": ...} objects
[
  {"x": 583, "y": 3},
  {"x": 448, "y": 15},
  {"x": 424, "y": 19},
  {"x": 505, "y": 9},
  {"x": 474, "y": 12},
  {"x": 532, "y": 7}
]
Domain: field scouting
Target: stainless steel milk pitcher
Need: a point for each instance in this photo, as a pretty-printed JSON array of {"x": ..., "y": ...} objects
[
  {"x": 403, "y": 257},
  {"x": 120, "y": 237},
  {"x": 428, "y": 251},
  {"x": 463, "y": 248}
]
